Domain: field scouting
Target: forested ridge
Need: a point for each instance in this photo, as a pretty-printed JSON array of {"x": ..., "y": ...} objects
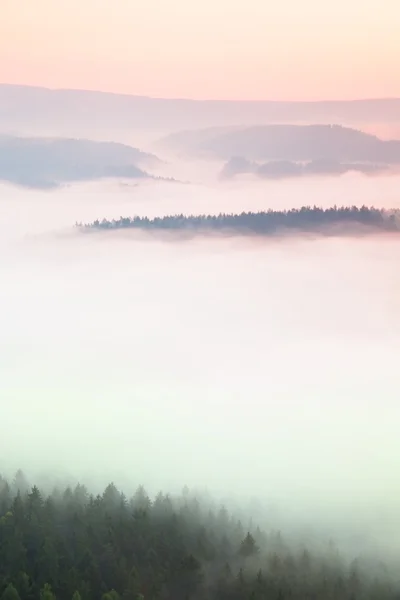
[
  {"x": 70, "y": 544},
  {"x": 306, "y": 219}
]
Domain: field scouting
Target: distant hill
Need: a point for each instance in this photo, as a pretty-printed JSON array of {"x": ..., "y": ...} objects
[
  {"x": 284, "y": 169},
  {"x": 286, "y": 142},
  {"x": 44, "y": 162},
  {"x": 37, "y": 110}
]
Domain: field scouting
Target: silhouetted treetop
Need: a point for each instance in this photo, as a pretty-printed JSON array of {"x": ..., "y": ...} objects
[
  {"x": 305, "y": 219},
  {"x": 73, "y": 545}
]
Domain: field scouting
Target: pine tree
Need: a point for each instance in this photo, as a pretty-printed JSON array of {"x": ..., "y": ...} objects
[
  {"x": 10, "y": 593},
  {"x": 248, "y": 547},
  {"x": 46, "y": 593},
  {"x": 112, "y": 595}
]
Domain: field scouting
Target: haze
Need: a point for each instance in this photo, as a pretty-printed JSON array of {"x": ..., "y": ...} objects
[
  {"x": 251, "y": 368},
  {"x": 261, "y": 369}
]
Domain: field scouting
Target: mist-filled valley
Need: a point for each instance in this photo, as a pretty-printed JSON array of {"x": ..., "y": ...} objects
[
  {"x": 252, "y": 368},
  {"x": 199, "y": 300},
  {"x": 222, "y": 323}
]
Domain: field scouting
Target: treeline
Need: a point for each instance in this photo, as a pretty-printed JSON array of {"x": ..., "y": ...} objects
[
  {"x": 263, "y": 223},
  {"x": 71, "y": 544}
]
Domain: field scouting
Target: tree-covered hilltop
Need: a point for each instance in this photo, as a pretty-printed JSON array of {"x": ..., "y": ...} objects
[
  {"x": 305, "y": 219},
  {"x": 50, "y": 162},
  {"x": 72, "y": 545}
]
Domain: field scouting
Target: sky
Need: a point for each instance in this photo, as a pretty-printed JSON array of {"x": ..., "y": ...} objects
[{"x": 213, "y": 49}]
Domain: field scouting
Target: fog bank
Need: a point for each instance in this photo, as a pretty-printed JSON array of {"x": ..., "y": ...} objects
[{"x": 265, "y": 369}]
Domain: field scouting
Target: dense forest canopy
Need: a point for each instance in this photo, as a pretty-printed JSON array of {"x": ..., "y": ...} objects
[
  {"x": 71, "y": 544},
  {"x": 306, "y": 219}
]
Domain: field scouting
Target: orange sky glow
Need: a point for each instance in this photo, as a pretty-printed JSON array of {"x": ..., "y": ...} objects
[{"x": 213, "y": 49}]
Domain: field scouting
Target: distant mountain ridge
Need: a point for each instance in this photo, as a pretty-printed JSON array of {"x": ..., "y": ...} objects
[
  {"x": 285, "y": 142},
  {"x": 23, "y": 107}
]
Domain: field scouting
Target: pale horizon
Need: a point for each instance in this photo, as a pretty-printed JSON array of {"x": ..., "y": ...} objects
[
  {"x": 193, "y": 99},
  {"x": 216, "y": 50}
]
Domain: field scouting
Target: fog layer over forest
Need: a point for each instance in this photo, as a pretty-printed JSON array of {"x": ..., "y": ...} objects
[{"x": 263, "y": 368}]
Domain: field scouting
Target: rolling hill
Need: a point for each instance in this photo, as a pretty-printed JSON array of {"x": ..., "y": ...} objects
[
  {"x": 285, "y": 142},
  {"x": 44, "y": 162}
]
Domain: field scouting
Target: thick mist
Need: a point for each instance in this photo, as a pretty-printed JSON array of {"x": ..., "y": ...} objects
[{"x": 266, "y": 369}]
